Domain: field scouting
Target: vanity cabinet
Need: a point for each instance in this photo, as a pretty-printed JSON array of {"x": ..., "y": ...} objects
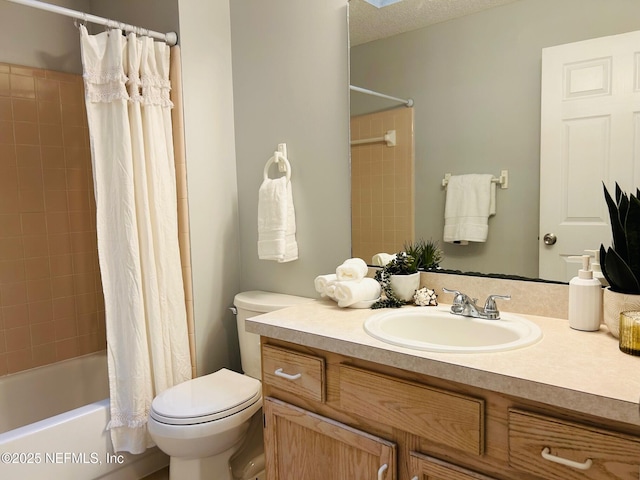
[{"x": 350, "y": 417}]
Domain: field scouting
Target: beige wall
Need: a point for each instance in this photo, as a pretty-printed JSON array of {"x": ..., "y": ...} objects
[{"x": 476, "y": 86}]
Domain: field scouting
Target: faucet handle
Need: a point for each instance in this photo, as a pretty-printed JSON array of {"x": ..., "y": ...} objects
[
  {"x": 490, "y": 304},
  {"x": 459, "y": 296}
]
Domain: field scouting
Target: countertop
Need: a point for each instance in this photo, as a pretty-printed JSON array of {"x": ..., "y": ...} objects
[{"x": 581, "y": 371}]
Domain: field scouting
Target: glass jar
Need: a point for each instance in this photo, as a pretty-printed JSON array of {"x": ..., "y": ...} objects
[{"x": 630, "y": 332}]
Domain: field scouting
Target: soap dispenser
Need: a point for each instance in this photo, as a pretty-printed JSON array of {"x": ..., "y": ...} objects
[
  {"x": 596, "y": 268},
  {"x": 585, "y": 298}
]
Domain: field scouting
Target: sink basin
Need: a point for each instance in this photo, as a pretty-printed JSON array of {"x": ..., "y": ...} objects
[{"x": 437, "y": 330}]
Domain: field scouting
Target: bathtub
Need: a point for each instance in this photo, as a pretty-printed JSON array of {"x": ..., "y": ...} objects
[{"x": 52, "y": 425}]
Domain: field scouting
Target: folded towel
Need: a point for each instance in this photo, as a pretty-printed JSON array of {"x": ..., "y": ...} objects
[
  {"x": 350, "y": 292},
  {"x": 381, "y": 259},
  {"x": 276, "y": 221},
  {"x": 470, "y": 201},
  {"x": 325, "y": 285},
  {"x": 352, "y": 269}
]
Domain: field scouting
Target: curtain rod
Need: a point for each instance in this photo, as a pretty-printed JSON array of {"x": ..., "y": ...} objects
[
  {"x": 408, "y": 103},
  {"x": 170, "y": 38}
]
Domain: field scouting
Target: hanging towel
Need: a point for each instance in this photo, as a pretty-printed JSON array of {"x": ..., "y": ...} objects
[
  {"x": 276, "y": 221},
  {"x": 352, "y": 269},
  {"x": 470, "y": 201},
  {"x": 350, "y": 292}
]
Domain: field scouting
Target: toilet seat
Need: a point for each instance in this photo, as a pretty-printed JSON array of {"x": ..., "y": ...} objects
[{"x": 206, "y": 399}]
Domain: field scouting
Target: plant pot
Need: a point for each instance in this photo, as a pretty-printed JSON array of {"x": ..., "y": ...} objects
[
  {"x": 613, "y": 303},
  {"x": 405, "y": 286}
]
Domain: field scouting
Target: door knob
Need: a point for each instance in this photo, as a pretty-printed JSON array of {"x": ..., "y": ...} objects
[{"x": 550, "y": 239}]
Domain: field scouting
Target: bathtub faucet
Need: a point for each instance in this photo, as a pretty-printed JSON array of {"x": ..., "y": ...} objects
[{"x": 467, "y": 307}]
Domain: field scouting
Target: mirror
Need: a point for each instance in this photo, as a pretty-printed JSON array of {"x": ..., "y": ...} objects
[{"x": 475, "y": 81}]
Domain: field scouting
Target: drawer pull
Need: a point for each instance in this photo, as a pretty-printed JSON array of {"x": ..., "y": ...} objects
[
  {"x": 280, "y": 373},
  {"x": 381, "y": 471},
  {"x": 565, "y": 461}
]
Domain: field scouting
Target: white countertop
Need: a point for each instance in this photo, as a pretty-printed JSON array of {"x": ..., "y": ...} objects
[{"x": 580, "y": 371}]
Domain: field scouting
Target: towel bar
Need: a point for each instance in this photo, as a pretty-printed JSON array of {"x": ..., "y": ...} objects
[
  {"x": 503, "y": 180},
  {"x": 279, "y": 158}
]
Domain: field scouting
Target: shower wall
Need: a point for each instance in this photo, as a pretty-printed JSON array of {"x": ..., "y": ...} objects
[
  {"x": 382, "y": 185},
  {"x": 51, "y": 303}
]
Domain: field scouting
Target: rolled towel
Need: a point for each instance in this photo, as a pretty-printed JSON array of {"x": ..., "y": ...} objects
[
  {"x": 350, "y": 292},
  {"x": 352, "y": 269},
  {"x": 381, "y": 259},
  {"x": 323, "y": 284}
]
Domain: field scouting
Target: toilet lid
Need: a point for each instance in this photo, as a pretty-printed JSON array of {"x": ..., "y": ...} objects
[{"x": 207, "y": 398}]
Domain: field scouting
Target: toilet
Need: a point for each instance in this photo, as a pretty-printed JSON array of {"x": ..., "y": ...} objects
[{"x": 211, "y": 426}]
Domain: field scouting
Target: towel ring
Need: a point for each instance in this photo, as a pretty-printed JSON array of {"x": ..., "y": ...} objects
[{"x": 275, "y": 159}]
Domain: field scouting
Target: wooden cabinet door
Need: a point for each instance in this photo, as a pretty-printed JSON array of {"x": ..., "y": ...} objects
[
  {"x": 303, "y": 445},
  {"x": 424, "y": 467}
]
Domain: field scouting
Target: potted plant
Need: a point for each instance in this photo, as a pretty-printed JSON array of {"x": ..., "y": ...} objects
[
  {"x": 620, "y": 263},
  {"x": 428, "y": 254},
  {"x": 399, "y": 280}
]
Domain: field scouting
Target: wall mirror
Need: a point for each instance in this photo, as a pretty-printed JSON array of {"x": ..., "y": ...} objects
[{"x": 476, "y": 85}]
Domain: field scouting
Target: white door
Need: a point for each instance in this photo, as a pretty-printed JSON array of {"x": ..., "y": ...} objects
[{"x": 590, "y": 133}]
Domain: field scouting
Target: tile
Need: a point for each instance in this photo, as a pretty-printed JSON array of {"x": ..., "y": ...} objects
[
  {"x": 65, "y": 328},
  {"x": 78, "y": 179},
  {"x": 11, "y": 248},
  {"x": 22, "y": 86},
  {"x": 12, "y": 271},
  {"x": 47, "y": 89},
  {"x": 71, "y": 93},
  {"x": 84, "y": 262},
  {"x": 6, "y": 133},
  {"x": 63, "y": 286},
  {"x": 40, "y": 312},
  {"x": 27, "y": 71},
  {"x": 59, "y": 244},
  {"x": 31, "y": 200},
  {"x": 7, "y": 155},
  {"x": 53, "y": 157},
  {"x": 24, "y": 110},
  {"x": 37, "y": 268},
  {"x": 19, "y": 360},
  {"x": 42, "y": 333},
  {"x": 50, "y": 135},
  {"x": 57, "y": 222},
  {"x": 64, "y": 307},
  {"x": 6, "y": 111},
  {"x": 43, "y": 354},
  {"x": 10, "y": 225},
  {"x": 3, "y": 347},
  {"x": 17, "y": 338},
  {"x": 49, "y": 113},
  {"x": 86, "y": 304},
  {"x": 28, "y": 156},
  {"x": 26, "y": 133},
  {"x": 30, "y": 178},
  {"x": 5, "y": 88},
  {"x": 35, "y": 246},
  {"x": 66, "y": 349},
  {"x": 56, "y": 201},
  {"x": 73, "y": 114},
  {"x": 33, "y": 223},
  {"x": 61, "y": 265},
  {"x": 39, "y": 289},
  {"x": 74, "y": 136},
  {"x": 82, "y": 221}
]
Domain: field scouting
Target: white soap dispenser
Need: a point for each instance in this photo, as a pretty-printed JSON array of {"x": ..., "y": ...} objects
[
  {"x": 596, "y": 268},
  {"x": 585, "y": 298}
]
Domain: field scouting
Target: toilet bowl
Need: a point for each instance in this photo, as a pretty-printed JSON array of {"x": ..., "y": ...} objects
[{"x": 210, "y": 426}]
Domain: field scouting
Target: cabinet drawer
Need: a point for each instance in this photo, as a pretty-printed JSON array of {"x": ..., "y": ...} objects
[
  {"x": 558, "y": 450},
  {"x": 424, "y": 467},
  {"x": 444, "y": 417},
  {"x": 294, "y": 372}
]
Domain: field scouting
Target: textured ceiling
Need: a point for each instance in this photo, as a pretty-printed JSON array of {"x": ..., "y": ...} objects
[{"x": 368, "y": 23}]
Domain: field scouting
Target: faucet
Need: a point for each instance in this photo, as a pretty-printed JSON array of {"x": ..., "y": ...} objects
[{"x": 466, "y": 306}]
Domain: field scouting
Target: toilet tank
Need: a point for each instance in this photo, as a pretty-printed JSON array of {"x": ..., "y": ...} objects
[{"x": 250, "y": 304}]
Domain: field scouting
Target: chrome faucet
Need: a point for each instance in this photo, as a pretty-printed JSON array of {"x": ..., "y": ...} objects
[{"x": 466, "y": 306}]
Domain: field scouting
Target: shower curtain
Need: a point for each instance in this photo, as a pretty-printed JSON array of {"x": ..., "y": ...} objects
[{"x": 129, "y": 116}]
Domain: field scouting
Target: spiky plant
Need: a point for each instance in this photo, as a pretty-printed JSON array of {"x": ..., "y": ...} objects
[
  {"x": 402, "y": 264},
  {"x": 620, "y": 263},
  {"x": 428, "y": 253}
]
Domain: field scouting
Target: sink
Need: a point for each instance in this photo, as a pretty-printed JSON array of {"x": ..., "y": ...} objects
[{"x": 438, "y": 330}]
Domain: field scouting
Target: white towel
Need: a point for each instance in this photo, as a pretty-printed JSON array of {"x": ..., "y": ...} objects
[
  {"x": 470, "y": 201},
  {"x": 352, "y": 269},
  {"x": 350, "y": 292},
  {"x": 276, "y": 221},
  {"x": 381, "y": 259},
  {"x": 325, "y": 285}
]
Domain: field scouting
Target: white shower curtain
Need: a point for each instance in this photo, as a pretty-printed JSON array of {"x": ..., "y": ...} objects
[{"x": 129, "y": 115}]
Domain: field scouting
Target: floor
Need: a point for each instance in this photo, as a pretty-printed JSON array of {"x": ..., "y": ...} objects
[{"x": 159, "y": 475}]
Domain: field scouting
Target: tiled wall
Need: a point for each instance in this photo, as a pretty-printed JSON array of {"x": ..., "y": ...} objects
[
  {"x": 51, "y": 304},
  {"x": 382, "y": 190}
]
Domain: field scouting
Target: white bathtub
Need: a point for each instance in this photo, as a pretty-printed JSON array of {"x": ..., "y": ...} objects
[{"x": 52, "y": 425}]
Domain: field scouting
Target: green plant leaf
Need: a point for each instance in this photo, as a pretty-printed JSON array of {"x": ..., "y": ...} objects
[
  {"x": 620, "y": 276},
  {"x": 603, "y": 263}
]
